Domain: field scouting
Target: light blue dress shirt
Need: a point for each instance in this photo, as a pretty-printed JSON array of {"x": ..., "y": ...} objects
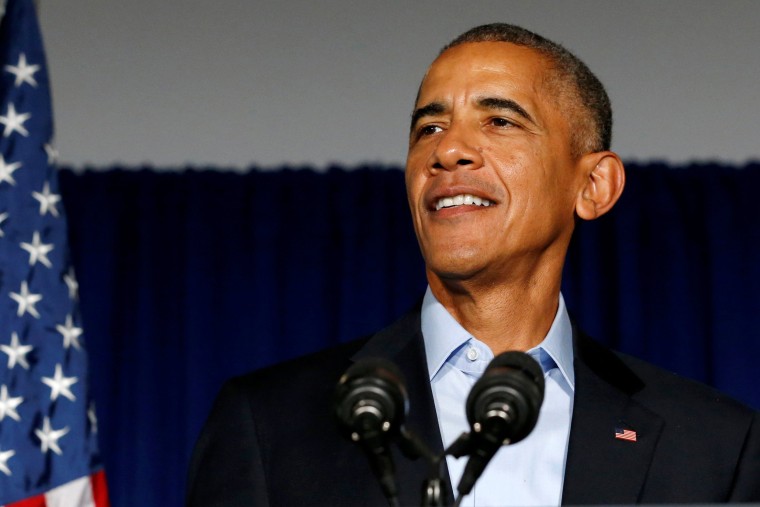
[{"x": 529, "y": 472}]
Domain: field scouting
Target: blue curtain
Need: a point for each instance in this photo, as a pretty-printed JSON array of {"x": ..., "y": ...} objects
[{"x": 187, "y": 278}]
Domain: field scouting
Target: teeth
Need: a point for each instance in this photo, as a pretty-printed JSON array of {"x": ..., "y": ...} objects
[{"x": 458, "y": 200}]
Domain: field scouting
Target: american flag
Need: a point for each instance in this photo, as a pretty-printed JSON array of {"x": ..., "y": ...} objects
[
  {"x": 48, "y": 429},
  {"x": 625, "y": 434}
]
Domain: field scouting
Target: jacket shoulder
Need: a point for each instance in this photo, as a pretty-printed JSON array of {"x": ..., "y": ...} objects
[
  {"x": 657, "y": 388},
  {"x": 665, "y": 391},
  {"x": 326, "y": 364}
]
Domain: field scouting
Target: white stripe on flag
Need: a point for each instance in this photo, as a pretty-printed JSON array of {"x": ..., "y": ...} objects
[{"x": 77, "y": 493}]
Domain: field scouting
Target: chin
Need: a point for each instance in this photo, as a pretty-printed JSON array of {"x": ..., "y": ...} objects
[{"x": 455, "y": 265}]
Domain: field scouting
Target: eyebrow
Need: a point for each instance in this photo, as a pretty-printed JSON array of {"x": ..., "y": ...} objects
[
  {"x": 505, "y": 104},
  {"x": 493, "y": 103}
]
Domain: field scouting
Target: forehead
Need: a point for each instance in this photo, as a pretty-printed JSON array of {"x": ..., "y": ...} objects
[{"x": 479, "y": 68}]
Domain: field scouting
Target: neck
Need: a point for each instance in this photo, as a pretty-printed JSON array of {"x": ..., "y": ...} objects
[{"x": 515, "y": 315}]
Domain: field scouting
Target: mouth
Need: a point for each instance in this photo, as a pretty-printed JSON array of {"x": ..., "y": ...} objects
[{"x": 462, "y": 200}]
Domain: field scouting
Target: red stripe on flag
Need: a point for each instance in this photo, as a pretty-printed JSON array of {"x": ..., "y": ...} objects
[
  {"x": 99, "y": 489},
  {"x": 35, "y": 501}
]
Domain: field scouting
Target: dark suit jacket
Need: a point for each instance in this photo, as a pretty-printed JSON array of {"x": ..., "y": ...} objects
[{"x": 271, "y": 438}]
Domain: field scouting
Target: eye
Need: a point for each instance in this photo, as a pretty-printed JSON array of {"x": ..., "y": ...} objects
[
  {"x": 427, "y": 130},
  {"x": 501, "y": 122}
]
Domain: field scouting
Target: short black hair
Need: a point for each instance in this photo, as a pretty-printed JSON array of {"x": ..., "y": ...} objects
[{"x": 592, "y": 128}]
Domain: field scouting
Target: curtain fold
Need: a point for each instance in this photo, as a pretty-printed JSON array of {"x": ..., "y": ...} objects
[{"x": 187, "y": 278}]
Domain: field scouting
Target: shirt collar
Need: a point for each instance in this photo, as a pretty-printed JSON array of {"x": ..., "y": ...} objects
[
  {"x": 444, "y": 336},
  {"x": 558, "y": 345}
]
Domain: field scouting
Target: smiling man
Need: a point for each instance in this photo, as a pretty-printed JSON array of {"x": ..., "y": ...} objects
[{"x": 509, "y": 146}]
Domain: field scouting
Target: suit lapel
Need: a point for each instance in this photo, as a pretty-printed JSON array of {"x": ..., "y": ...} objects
[
  {"x": 402, "y": 344},
  {"x": 600, "y": 467}
]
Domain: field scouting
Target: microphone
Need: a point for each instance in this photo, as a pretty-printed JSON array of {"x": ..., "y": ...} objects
[
  {"x": 370, "y": 407},
  {"x": 502, "y": 408}
]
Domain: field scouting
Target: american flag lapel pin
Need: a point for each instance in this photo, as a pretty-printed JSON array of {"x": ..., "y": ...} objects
[{"x": 622, "y": 433}]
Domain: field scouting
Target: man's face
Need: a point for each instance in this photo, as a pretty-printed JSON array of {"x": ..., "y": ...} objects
[{"x": 490, "y": 176}]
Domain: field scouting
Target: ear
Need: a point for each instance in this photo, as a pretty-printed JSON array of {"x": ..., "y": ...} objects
[{"x": 604, "y": 181}]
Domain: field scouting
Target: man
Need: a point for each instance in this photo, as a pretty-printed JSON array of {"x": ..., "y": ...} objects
[{"x": 509, "y": 145}]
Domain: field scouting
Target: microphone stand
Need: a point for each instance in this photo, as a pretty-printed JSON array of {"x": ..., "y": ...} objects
[
  {"x": 433, "y": 492},
  {"x": 433, "y": 489}
]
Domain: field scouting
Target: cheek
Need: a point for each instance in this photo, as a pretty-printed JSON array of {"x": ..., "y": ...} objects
[
  {"x": 514, "y": 171},
  {"x": 419, "y": 151},
  {"x": 414, "y": 161},
  {"x": 416, "y": 174},
  {"x": 536, "y": 191},
  {"x": 512, "y": 157},
  {"x": 413, "y": 184}
]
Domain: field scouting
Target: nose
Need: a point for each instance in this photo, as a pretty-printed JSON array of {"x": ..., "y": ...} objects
[{"x": 456, "y": 149}]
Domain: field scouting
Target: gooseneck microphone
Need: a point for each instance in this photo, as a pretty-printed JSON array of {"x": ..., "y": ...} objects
[
  {"x": 502, "y": 409},
  {"x": 370, "y": 406}
]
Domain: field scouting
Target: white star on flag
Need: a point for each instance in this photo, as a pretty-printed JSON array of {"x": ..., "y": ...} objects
[
  {"x": 24, "y": 73},
  {"x": 16, "y": 352},
  {"x": 4, "y": 457},
  {"x": 71, "y": 282},
  {"x": 38, "y": 251},
  {"x": 26, "y": 301},
  {"x": 52, "y": 153},
  {"x": 3, "y": 218},
  {"x": 70, "y": 333},
  {"x": 49, "y": 437},
  {"x": 14, "y": 122},
  {"x": 47, "y": 200},
  {"x": 60, "y": 385},
  {"x": 92, "y": 416},
  {"x": 8, "y": 405},
  {"x": 6, "y": 170}
]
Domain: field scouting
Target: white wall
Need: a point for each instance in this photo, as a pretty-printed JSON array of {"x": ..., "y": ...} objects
[{"x": 230, "y": 83}]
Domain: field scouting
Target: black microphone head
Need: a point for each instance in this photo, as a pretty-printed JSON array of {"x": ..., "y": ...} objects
[
  {"x": 370, "y": 407},
  {"x": 370, "y": 400},
  {"x": 505, "y": 402}
]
